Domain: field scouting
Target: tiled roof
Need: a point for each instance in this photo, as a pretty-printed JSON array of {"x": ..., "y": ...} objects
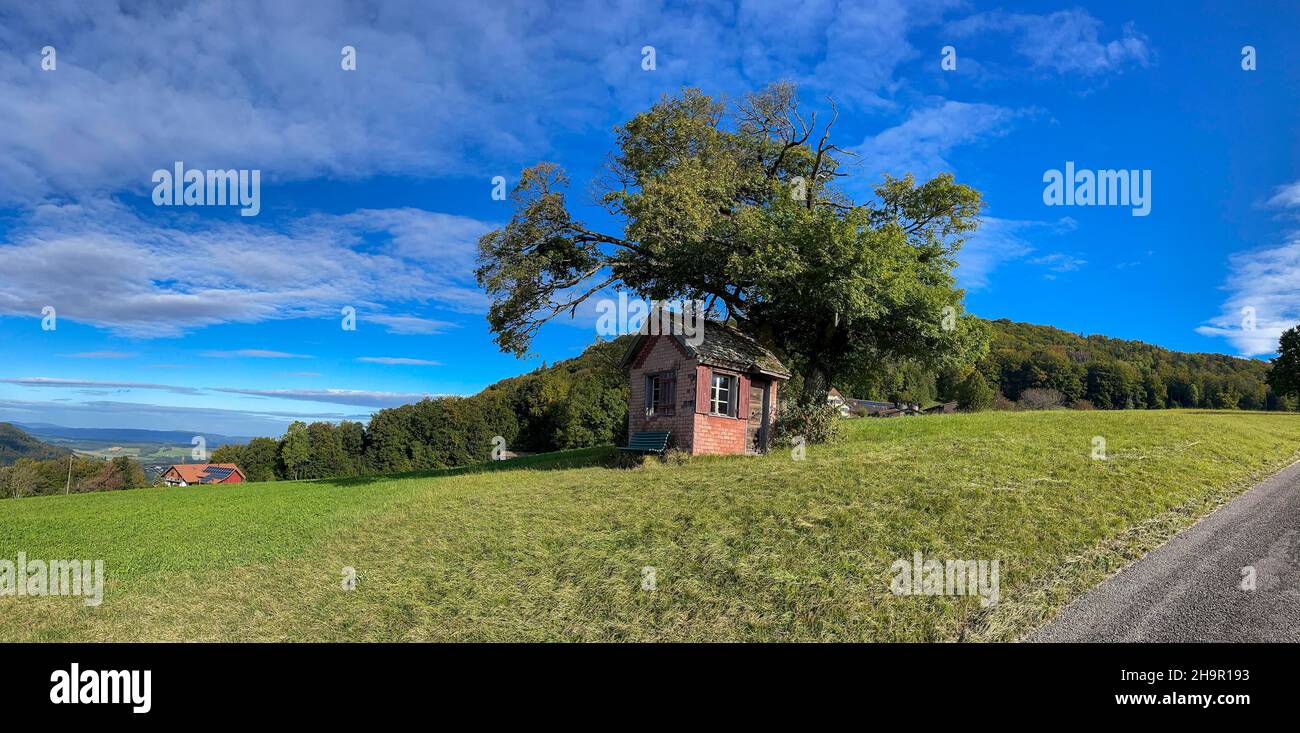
[
  {"x": 724, "y": 346},
  {"x": 194, "y": 473}
]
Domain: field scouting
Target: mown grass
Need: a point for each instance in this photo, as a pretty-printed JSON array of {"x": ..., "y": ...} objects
[{"x": 552, "y": 547}]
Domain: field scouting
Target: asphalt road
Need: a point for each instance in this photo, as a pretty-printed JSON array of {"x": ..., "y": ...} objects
[{"x": 1189, "y": 589}]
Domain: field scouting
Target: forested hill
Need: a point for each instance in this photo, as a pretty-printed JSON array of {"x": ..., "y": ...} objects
[
  {"x": 574, "y": 403},
  {"x": 1118, "y": 373},
  {"x": 1070, "y": 369},
  {"x": 1021, "y": 336},
  {"x": 15, "y": 444}
]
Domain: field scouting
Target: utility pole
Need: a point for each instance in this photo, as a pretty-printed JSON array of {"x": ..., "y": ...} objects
[{"x": 68, "y": 489}]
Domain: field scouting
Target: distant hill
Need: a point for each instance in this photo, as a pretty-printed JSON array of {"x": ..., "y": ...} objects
[
  {"x": 128, "y": 435},
  {"x": 1111, "y": 372},
  {"x": 1083, "y": 371},
  {"x": 15, "y": 444},
  {"x": 1023, "y": 336}
]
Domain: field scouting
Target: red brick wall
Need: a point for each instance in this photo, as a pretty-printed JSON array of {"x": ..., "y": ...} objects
[
  {"x": 715, "y": 433},
  {"x": 659, "y": 354},
  {"x": 727, "y": 435}
]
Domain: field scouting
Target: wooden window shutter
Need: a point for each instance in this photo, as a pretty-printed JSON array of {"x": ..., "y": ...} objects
[
  {"x": 743, "y": 384},
  {"x": 703, "y": 378},
  {"x": 649, "y": 392}
]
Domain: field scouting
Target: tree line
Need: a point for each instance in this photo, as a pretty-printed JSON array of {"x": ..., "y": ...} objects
[
  {"x": 577, "y": 403},
  {"x": 32, "y": 477},
  {"x": 1041, "y": 366}
]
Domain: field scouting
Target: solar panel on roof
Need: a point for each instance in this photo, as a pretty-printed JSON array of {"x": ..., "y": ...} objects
[{"x": 217, "y": 474}]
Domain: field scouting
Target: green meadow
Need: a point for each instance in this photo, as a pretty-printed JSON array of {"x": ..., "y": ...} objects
[{"x": 554, "y": 547}]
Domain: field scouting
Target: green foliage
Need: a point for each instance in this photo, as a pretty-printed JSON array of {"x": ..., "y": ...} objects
[
  {"x": 21, "y": 479},
  {"x": 815, "y": 423},
  {"x": 739, "y": 209},
  {"x": 1107, "y": 388},
  {"x": 28, "y": 477},
  {"x": 352, "y": 437},
  {"x": 326, "y": 456},
  {"x": 295, "y": 449},
  {"x": 1284, "y": 369},
  {"x": 1120, "y": 374},
  {"x": 119, "y": 473},
  {"x": 577, "y": 403},
  {"x": 259, "y": 459},
  {"x": 974, "y": 393},
  {"x": 388, "y": 441}
]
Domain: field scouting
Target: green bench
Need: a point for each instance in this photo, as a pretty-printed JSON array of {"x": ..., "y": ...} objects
[{"x": 653, "y": 441}]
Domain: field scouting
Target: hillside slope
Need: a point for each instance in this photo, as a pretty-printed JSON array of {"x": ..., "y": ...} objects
[
  {"x": 16, "y": 444},
  {"x": 557, "y": 547}
]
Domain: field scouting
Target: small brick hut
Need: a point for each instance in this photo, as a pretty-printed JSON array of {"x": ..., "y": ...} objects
[{"x": 715, "y": 397}]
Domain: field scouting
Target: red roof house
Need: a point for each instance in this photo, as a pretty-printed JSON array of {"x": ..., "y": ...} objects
[{"x": 185, "y": 474}]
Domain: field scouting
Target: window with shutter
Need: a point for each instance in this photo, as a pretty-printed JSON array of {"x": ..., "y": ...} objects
[{"x": 661, "y": 393}]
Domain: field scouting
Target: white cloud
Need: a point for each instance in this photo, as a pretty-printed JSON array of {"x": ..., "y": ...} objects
[
  {"x": 102, "y": 265},
  {"x": 998, "y": 241},
  {"x": 100, "y": 355},
  {"x": 356, "y": 397},
  {"x": 1265, "y": 287},
  {"x": 1287, "y": 196},
  {"x": 1066, "y": 41},
  {"x": 410, "y": 324},
  {"x": 254, "y": 354},
  {"x": 1059, "y": 262},
  {"x": 921, "y": 143},
  {"x": 96, "y": 384},
  {"x": 1267, "y": 281},
  {"x": 403, "y": 360},
  {"x": 460, "y": 89}
]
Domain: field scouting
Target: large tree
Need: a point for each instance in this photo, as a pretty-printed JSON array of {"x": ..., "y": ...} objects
[
  {"x": 1284, "y": 369},
  {"x": 749, "y": 211},
  {"x": 295, "y": 449}
]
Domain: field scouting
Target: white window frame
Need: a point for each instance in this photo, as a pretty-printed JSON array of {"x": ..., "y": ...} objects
[{"x": 732, "y": 383}]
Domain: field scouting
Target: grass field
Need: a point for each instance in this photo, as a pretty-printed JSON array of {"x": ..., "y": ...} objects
[{"x": 552, "y": 547}]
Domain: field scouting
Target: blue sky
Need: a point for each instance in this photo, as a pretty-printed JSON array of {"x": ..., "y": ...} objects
[{"x": 376, "y": 182}]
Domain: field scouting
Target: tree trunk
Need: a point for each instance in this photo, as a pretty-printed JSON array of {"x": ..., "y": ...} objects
[{"x": 816, "y": 386}]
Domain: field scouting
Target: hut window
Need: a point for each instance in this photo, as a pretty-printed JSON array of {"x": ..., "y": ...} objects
[
  {"x": 660, "y": 393},
  {"x": 722, "y": 395}
]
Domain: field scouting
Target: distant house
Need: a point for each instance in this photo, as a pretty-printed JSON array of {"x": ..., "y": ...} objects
[
  {"x": 839, "y": 402},
  {"x": 849, "y": 407},
  {"x": 715, "y": 397},
  {"x": 185, "y": 474}
]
